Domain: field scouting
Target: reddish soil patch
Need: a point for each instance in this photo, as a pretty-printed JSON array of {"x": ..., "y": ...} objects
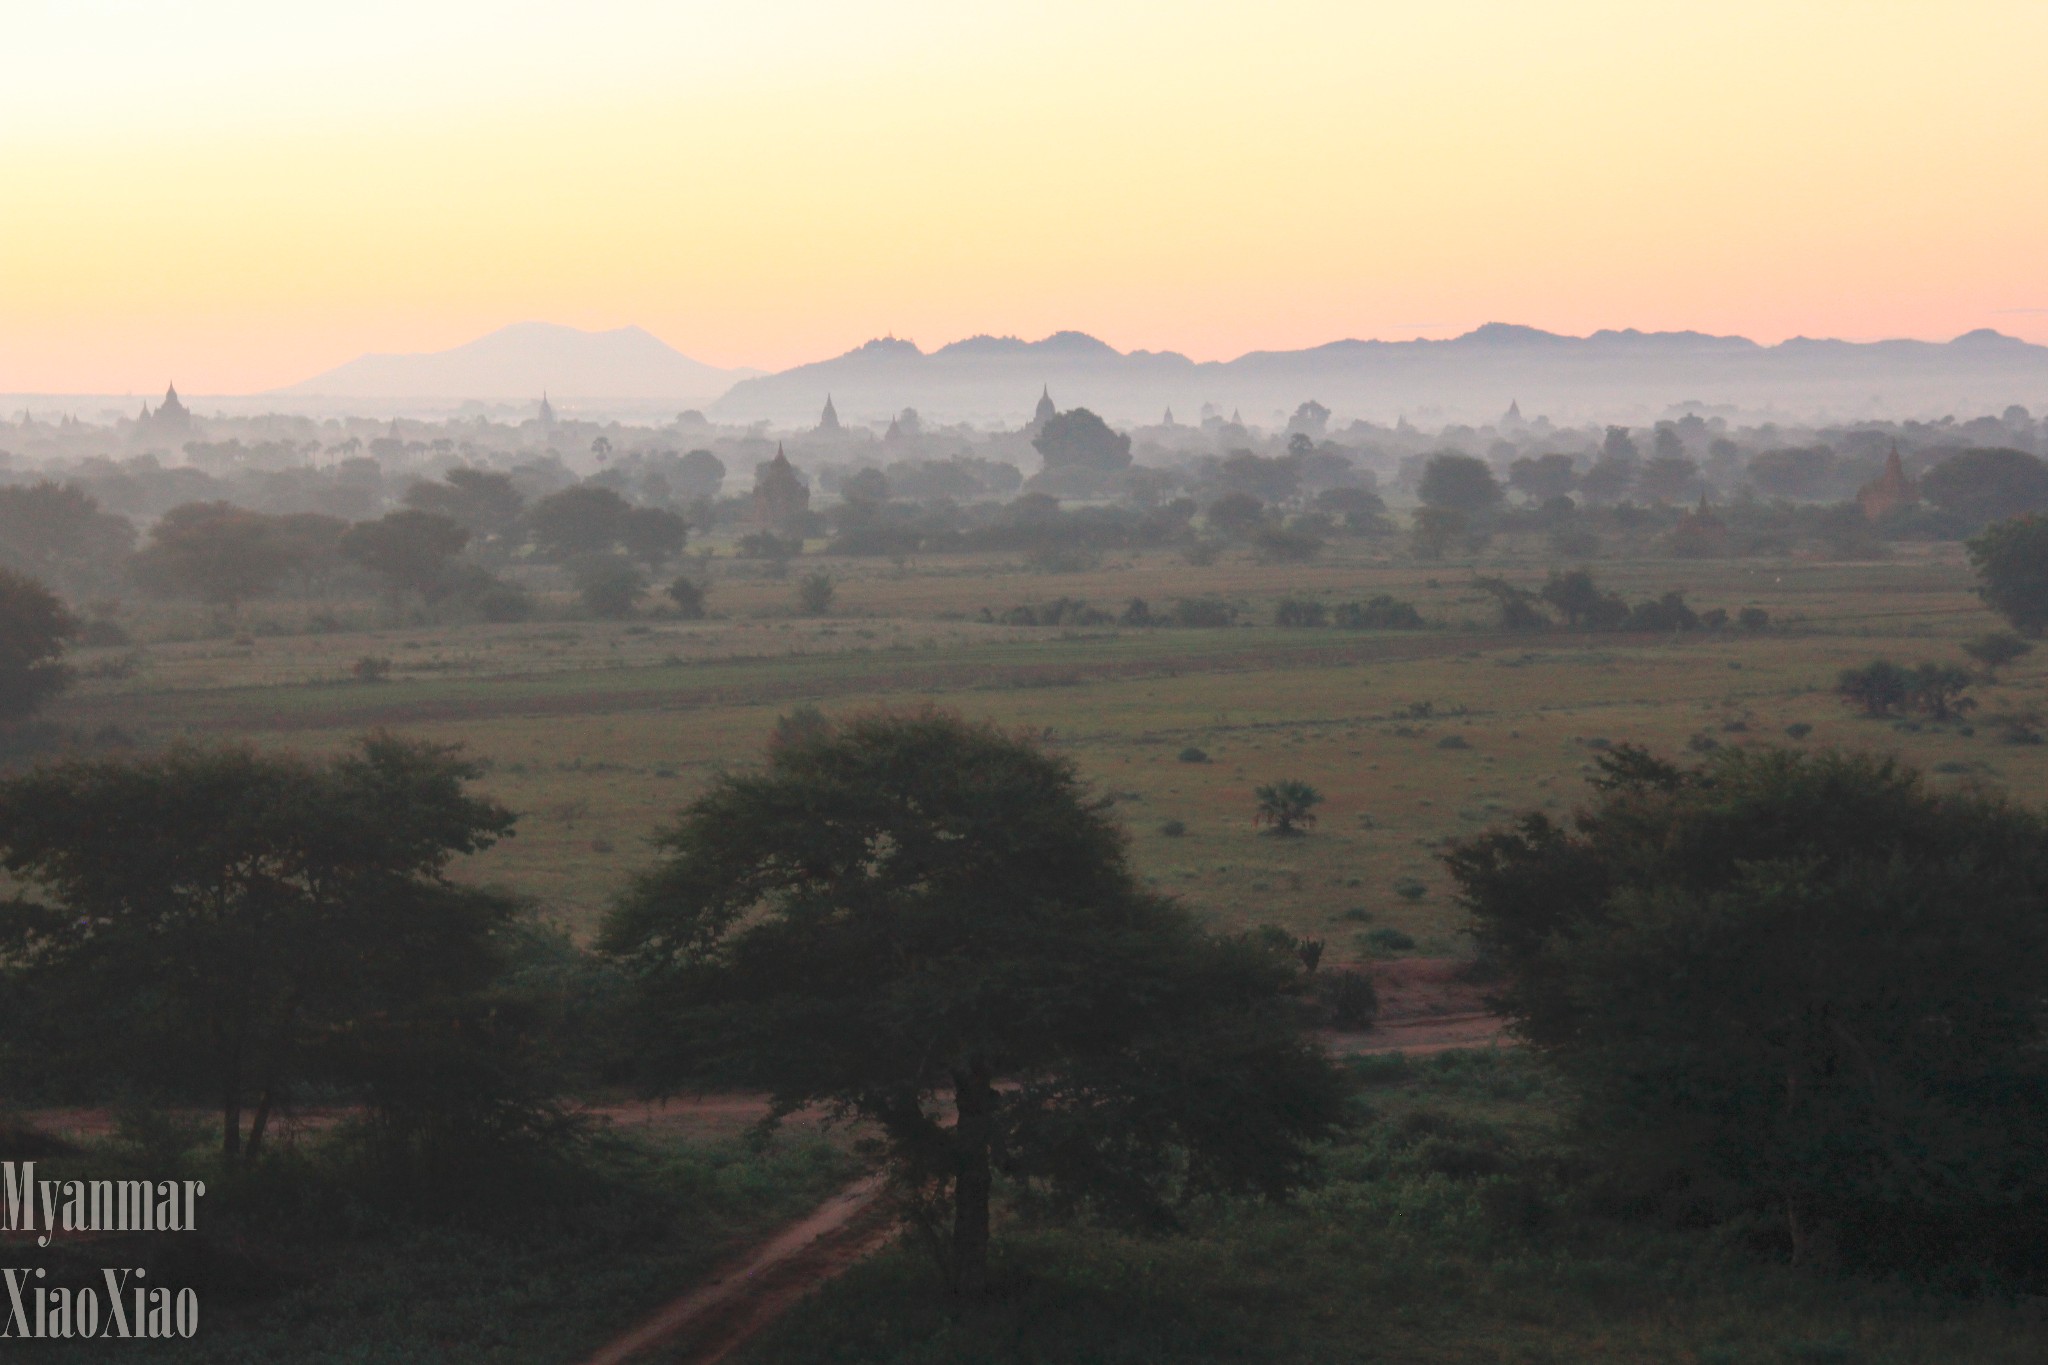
[
  {"x": 717, "y": 1317},
  {"x": 1426, "y": 1005}
]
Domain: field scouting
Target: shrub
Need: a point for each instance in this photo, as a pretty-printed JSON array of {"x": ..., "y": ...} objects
[
  {"x": 1287, "y": 805},
  {"x": 689, "y": 597},
  {"x": 1299, "y": 611},
  {"x": 768, "y": 545},
  {"x": 1799, "y": 729},
  {"x": 1193, "y": 755},
  {"x": 1389, "y": 940},
  {"x": 1276, "y": 545},
  {"x": 1203, "y": 612},
  {"x": 1346, "y": 1000},
  {"x": 1996, "y": 650},
  {"x": 371, "y": 668},
  {"x": 1378, "y": 613},
  {"x": 1173, "y": 829},
  {"x": 1753, "y": 619},
  {"x": 608, "y": 585},
  {"x": 814, "y": 593}
]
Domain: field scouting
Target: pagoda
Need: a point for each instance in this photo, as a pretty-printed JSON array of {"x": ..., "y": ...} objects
[
  {"x": 171, "y": 413},
  {"x": 828, "y": 420},
  {"x": 1889, "y": 491},
  {"x": 780, "y": 497}
]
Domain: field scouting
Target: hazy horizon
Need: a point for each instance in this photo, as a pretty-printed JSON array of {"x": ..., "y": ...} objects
[{"x": 240, "y": 197}]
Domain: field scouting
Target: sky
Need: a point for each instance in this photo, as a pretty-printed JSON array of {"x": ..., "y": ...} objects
[{"x": 239, "y": 194}]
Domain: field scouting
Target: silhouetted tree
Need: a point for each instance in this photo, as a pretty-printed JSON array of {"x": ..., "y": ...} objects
[
  {"x": 814, "y": 593},
  {"x": 1996, "y": 649},
  {"x": 699, "y": 474},
  {"x": 222, "y": 917},
  {"x": 1078, "y": 439},
  {"x": 928, "y": 924},
  {"x": 1286, "y": 805},
  {"x": 52, "y": 531},
  {"x": 1807, "y": 985},
  {"x": 1988, "y": 485},
  {"x": 215, "y": 551},
  {"x": 607, "y": 585},
  {"x": 585, "y": 520},
  {"x": 2011, "y": 559},
  {"x": 484, "y": 502},
  {"x": 1235, "y": 514},
  {"x": 689, "y": 597},
  {"x": 408, "y": 549},
  {"x": 1458, "y": 483},
  {"x": 34, "y": 628},
  {"x": 1543, "y": 477},
  {"x": 653, "y": 535}
]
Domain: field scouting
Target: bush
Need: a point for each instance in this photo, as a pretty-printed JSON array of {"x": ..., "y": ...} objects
[
  {"x": 689, "y": 597},
  {"x": 1192, "y": 755},
  {"x": 608, "y": 585},
  {"x": 1345, "y": 1000},
  {"x": 1997, "y": 649},
  {"x": 1883, "y": 688},
  {"x": 1389, "y": 940},
  {"x": 1299, "y": 611},
  {"x": 1173, "y": 829},
  {"x": 1275, "y": 545},
  {"x": 1753, "y": 619},
  {"x": 371, "y": 668},
  {"x": 1287, "y": 805},
  {"x": 814, "y": 593},
  {"x": 767, "y": 545},
  {"x": 1378, "y": 613},
  {"x": 1203, "y": 612}
]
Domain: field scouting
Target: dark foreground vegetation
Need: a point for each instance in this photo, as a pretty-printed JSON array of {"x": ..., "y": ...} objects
[{"x": 1461, "y": 1223}]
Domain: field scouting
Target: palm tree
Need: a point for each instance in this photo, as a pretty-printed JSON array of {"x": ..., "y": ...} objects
[{"x": 1286, "y": 804}]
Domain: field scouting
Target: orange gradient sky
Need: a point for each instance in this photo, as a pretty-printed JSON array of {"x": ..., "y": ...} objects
[{"x": 238, "y": 194}]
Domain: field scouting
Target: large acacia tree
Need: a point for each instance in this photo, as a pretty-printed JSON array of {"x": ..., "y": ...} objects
[
  {"x": 1808, "y": 983},
  {"x": 929, "y": 925},
  {"x": 232, "y": 920}
]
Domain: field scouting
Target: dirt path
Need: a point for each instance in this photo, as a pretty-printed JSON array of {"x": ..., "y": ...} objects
[{"x": 717, "y": 1317}]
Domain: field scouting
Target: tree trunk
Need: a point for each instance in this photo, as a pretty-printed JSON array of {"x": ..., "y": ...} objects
[
  {"x": 231, "y": 1123},
  {"x": 260, "y": 1122},
  {"x": 974, "y": 1107}
]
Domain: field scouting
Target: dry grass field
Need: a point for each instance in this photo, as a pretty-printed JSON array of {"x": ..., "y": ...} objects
[{"x": 597, "y": 731}]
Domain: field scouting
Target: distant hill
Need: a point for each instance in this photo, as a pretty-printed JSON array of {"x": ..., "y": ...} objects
[
  {"x": 1609, "y": 375},
  {"x": 520, "y": 362}
]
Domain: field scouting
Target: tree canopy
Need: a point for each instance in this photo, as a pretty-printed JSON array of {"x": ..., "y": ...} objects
[
  {"x": 408, "y": 549},
  {"x": 904, "y": 910},
  {"x": 1458, "y": 483},
  {"x": 1988, "y": 485},
  {"x": 237, "y": 922},
  {"x": 34, "y": 628},
  {"x": 217, "y": 552},
  {"x": 1078, "y": 438},
  {"x": 2011, "y": 559},
  {"x": 1807, "y": 984}
]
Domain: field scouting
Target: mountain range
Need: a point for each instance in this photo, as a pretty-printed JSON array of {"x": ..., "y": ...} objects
[
  {"x": 520, "y": 362},
  {"x": 1610, "y": 375}
]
